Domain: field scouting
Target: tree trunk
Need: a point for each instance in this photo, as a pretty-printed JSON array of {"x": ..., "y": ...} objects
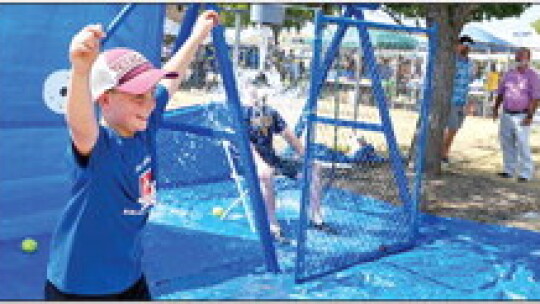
[{"x": 450, "y": 19}]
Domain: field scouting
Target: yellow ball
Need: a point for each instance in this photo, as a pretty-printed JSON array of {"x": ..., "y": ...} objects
[
  {"x": 29, "y": 245},
  {"x": 217, "y": 211}
]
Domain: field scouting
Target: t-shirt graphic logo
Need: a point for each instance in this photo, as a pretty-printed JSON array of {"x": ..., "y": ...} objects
[
  {"x": 145, "y": 183},
  {"x": 147, "y": 192}
]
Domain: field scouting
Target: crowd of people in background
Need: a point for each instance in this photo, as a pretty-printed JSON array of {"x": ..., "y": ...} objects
[{"x": 401, "y": 77}]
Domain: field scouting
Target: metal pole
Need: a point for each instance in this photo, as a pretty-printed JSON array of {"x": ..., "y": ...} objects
[
  {"x": 236, "y": 50},
  {"x": 242, "y": 140},
  {"x": 111, "y": 28}
]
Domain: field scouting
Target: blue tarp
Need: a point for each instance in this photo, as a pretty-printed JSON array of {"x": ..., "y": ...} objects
[{"x": 203, "y": 257}]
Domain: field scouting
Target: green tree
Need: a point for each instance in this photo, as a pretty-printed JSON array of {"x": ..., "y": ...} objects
[
  {"x": 450, "y": 18},
  {"x": 295, "y": 15},
  {"x": 536, "y": 26},
  {"x": 230, "y": 10}
]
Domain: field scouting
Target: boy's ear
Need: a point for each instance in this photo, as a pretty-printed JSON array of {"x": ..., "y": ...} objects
[{"x": 103, "y": 99}]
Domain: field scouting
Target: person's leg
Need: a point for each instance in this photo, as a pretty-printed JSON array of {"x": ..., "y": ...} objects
[
  {"x": 315, "y": 205},
  {"x": 525, "y": 162},
  {"x": 266, "y": 179},
  {"x": 508, "y": 144},
  {"x": 448, "y": 139},
  {"x": 138, "y": 291},
  {"x": 51, "y": 293},
  {"x": 315, "y": 194},
  {"x": 454, "y": 123}
]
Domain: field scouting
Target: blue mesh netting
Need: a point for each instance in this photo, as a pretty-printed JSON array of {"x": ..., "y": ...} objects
[
  {"x": 367, "y": 115},
  {"x": 194, "y": 179}
]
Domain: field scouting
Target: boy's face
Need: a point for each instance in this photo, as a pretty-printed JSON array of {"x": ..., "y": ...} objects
[{"x": 127, "y": 113}]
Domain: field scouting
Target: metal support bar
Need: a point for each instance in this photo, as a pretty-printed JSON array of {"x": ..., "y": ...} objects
[
  {"x": 422, "y": 141},
  {"x": 243, "y": 144},
  {"x": 380, "y": 98},
  {"x": 190, "y": 16},
  {"x": 322, "y": 72},
  {"x": 311, "y": 107},
  {"x": 361, "y": 22},
  {"x": 348, "y": 123},
  {"x": 111, "y": 28}
]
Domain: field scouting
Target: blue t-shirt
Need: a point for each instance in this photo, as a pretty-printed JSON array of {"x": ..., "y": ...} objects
[
  {"x": 462, "y": 79},
  {"x": 97, "y": 247},
  {"x": 263, "y": 122}
]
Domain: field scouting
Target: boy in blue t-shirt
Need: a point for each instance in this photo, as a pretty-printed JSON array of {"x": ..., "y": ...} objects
[
  {"x": 96, "y": 248},
  {"x": 264, "y": 122}
]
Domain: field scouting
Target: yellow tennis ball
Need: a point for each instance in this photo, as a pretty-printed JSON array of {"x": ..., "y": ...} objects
[
  {"x": 217, "y": 211},
  {"x": 29, "y": 245}
]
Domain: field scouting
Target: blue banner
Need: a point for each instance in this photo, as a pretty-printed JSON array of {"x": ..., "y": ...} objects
[
  {"x": 35, "y": 40},
  {"x": 34, "y": 54}
]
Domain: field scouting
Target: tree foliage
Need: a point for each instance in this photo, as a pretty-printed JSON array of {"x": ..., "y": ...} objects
[
  {"x": 476, "y": 12},
  {"x": 296, "y": 16},
  {"x": 536, "y": 26},
  {"x": 229, "y": 10}
]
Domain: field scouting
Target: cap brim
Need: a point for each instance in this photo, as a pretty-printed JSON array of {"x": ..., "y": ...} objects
[{"x": 144, "y": 81}]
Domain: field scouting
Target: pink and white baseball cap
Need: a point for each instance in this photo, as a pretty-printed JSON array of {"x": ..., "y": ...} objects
[{"x": 124, "y": 70}]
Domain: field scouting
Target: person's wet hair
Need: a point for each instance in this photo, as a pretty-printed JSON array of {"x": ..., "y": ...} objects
[{"x": 260, "y": 80}]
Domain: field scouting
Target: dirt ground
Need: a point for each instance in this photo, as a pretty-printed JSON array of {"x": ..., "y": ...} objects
[{"x": 469, "y": 187}]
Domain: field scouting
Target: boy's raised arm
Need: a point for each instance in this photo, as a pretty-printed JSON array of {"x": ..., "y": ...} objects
[
  {"x": 80, "y": 114},
  {"x": 180, "y": 61}
]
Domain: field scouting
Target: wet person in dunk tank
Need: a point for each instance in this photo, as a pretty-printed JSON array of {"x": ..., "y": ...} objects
[{"x": 264, "y": 122}]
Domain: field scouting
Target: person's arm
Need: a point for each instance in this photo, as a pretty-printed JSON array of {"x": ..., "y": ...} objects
[
  {"x": 80, "y": 115},
  {"x": 181, "y": 60},
  {"x": 533, "y": 104},
  {"x": 499, "y": 98},
  {"x": 469, "y": 105},
  {"x": 498, "y": 102},
  {"x": 292, "y": 140},
  {"x": 256, "y": 156},
  {"x": 532, "y": 109}
]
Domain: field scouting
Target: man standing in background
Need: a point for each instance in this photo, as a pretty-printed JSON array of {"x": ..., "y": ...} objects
[
  {"x": 518, "y": 92},
  {"x": 462, "y": 79}
]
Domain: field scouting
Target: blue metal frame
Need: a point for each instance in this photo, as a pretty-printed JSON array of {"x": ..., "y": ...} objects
[
  {"x": 310, "y": 137},
  {"x": 317, "y": 83},
  {"x": 111, "y": 28},
  {"x": 382, "y": 105},
  {"x": 309, "y": 117},
  {"x": 422, "y": 138},
  {"x": 361, "y": 22},
  {"x": 240, "y": 137},
  {"x": 190, "y": 16},
  {"x": 348, "y": 123}
]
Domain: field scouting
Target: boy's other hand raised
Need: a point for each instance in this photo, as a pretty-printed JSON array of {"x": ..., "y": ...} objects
[
  {"x": 206, "y": 21},
  {"x": 85, "y": 47}
]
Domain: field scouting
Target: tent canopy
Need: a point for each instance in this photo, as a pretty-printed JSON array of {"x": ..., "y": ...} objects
[
  {"x": 381, "y": 39},
  {"x": 485, "y": 41}
]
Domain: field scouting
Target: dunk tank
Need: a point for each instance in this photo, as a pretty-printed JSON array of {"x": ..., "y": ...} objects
[
  {"x": 370, "y": 182},
  {"x": 360, "y": 109}
]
